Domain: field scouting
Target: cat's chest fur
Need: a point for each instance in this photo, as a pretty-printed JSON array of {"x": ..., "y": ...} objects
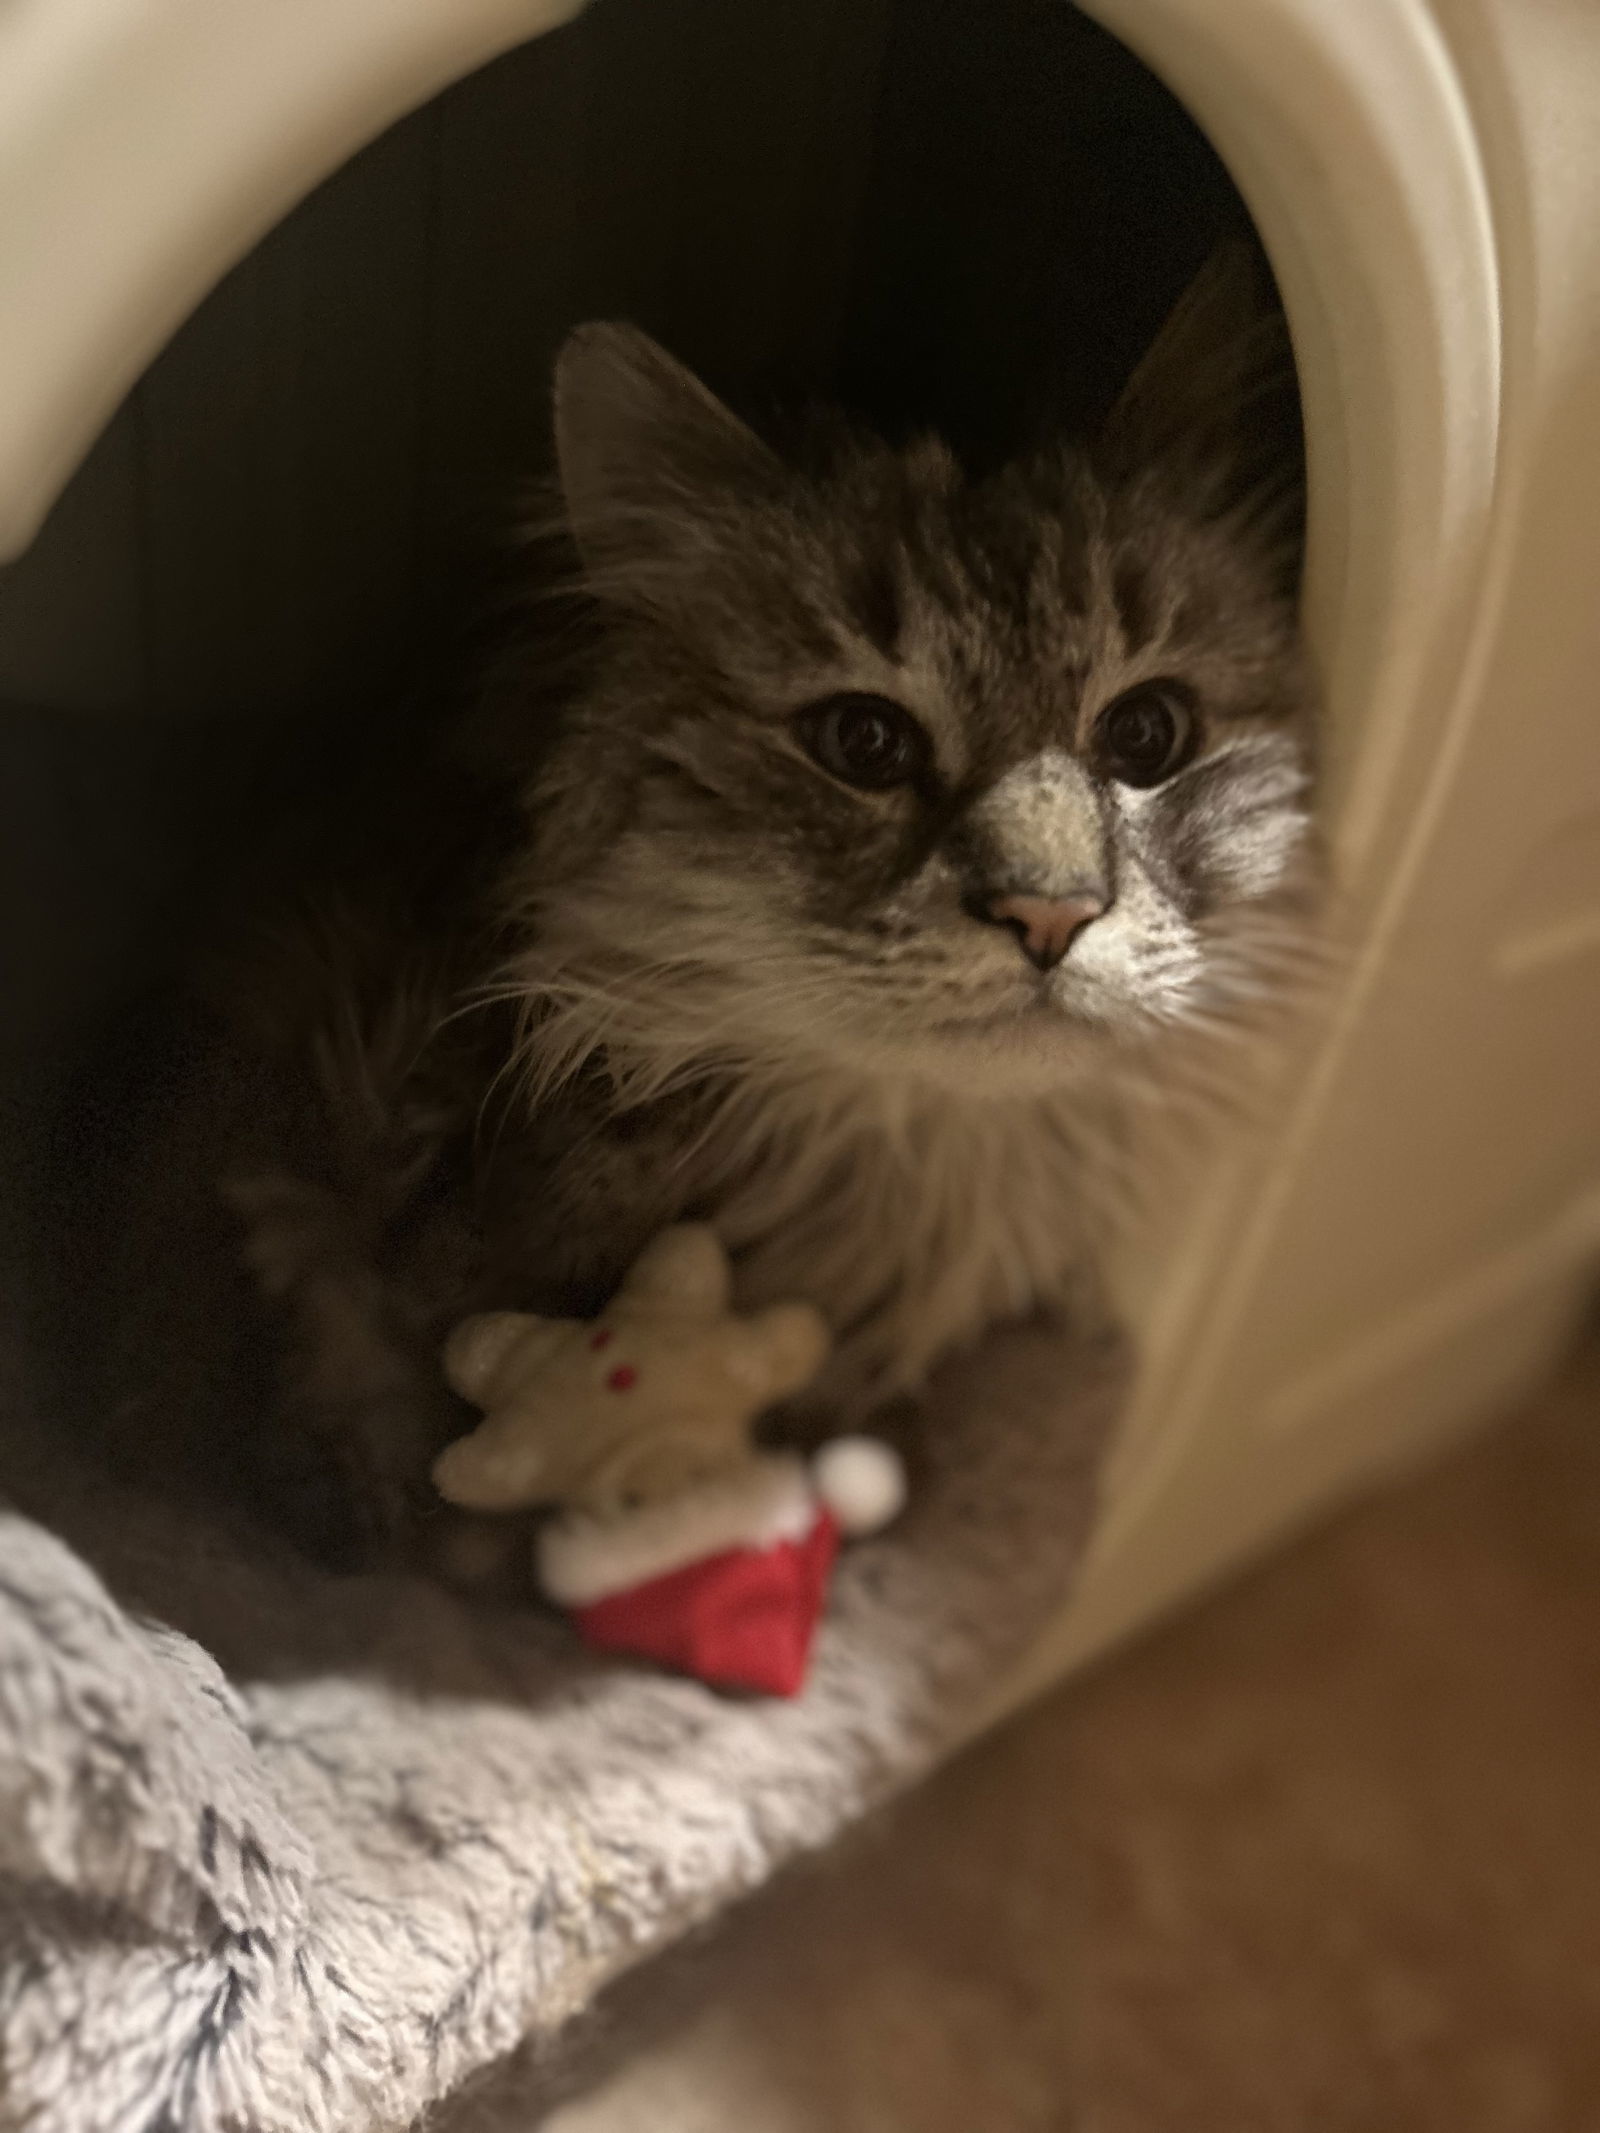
[{"x": 913, "y": 1217}]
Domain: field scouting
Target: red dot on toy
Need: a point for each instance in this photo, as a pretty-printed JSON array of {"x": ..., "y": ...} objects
[
  {"x": 602, "y": 1339},
  {"x": 622, "y": 1377}
]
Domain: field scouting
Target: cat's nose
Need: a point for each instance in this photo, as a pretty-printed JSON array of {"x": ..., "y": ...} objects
[{"x": 1046, "y": 926}]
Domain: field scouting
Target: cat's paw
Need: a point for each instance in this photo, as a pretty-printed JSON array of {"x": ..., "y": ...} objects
[
  {"x": 347, "y": 1480},
  {"x": 486, "y": 1557}
]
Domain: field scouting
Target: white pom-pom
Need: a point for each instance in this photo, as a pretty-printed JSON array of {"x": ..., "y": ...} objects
[{"x": 862, "y": 1482}]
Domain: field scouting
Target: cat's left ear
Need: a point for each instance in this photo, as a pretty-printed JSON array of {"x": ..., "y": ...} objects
[{"x": 644, "y": 452}]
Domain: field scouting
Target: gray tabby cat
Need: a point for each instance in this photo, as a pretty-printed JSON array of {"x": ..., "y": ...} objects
[{"x": 849, "y": 846}]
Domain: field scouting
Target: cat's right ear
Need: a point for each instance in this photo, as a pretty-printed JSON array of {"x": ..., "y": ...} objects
[
  {"x": 645, "y": 454},
  {"x": 1198, "y": 394}
]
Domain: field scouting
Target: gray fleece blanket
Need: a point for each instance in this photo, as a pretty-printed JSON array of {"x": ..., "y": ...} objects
[{"x": 289, "y": 1853}]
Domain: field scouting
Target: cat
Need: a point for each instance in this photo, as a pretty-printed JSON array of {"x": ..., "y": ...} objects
[{"x": 842, "y": 840}]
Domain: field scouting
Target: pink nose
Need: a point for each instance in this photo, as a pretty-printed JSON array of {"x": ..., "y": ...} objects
[{"x": 1046, "y": 926}]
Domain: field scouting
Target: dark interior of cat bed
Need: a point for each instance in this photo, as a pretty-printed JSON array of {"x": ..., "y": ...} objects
[{"x": 341, "y": 1842}]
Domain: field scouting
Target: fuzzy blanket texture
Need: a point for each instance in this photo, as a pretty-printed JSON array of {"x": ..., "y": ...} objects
[{"x": 285, "y": 1853}]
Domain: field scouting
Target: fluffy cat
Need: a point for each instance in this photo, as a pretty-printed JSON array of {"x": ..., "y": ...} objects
[{"x": 845, "y": 840}]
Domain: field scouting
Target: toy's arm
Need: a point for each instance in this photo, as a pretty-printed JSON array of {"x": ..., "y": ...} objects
[{"x": 479, "y": 1346}]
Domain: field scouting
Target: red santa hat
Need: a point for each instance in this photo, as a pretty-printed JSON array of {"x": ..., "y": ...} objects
[{"x": 728, "y": 1581}]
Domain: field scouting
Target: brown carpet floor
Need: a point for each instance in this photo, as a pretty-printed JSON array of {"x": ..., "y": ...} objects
[{"x": 1321, "y": 1857}]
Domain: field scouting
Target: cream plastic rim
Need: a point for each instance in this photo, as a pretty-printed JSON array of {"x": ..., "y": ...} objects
[{"x": 145, "y": 145}]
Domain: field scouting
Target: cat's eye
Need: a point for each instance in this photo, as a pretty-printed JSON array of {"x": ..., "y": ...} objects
[
  {"x": 1147, "y": 733},
  {"x": 863, "y": 740}
]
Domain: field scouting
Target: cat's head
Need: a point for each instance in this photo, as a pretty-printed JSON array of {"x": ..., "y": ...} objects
[{"x": 887, "y": 765}]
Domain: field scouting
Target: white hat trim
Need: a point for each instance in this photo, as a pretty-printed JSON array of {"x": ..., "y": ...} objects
[{"x": 583, "y": 1559}]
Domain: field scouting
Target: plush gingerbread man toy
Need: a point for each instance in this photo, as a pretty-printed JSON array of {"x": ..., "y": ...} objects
[{"x": 674, "y": 1538}]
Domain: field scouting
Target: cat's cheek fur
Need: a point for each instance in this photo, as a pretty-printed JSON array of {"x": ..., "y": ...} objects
[{"x": 1140, "y": 966}]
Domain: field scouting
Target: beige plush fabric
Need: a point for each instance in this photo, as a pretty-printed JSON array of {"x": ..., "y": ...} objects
[{"x": 292, "y": 1854}]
